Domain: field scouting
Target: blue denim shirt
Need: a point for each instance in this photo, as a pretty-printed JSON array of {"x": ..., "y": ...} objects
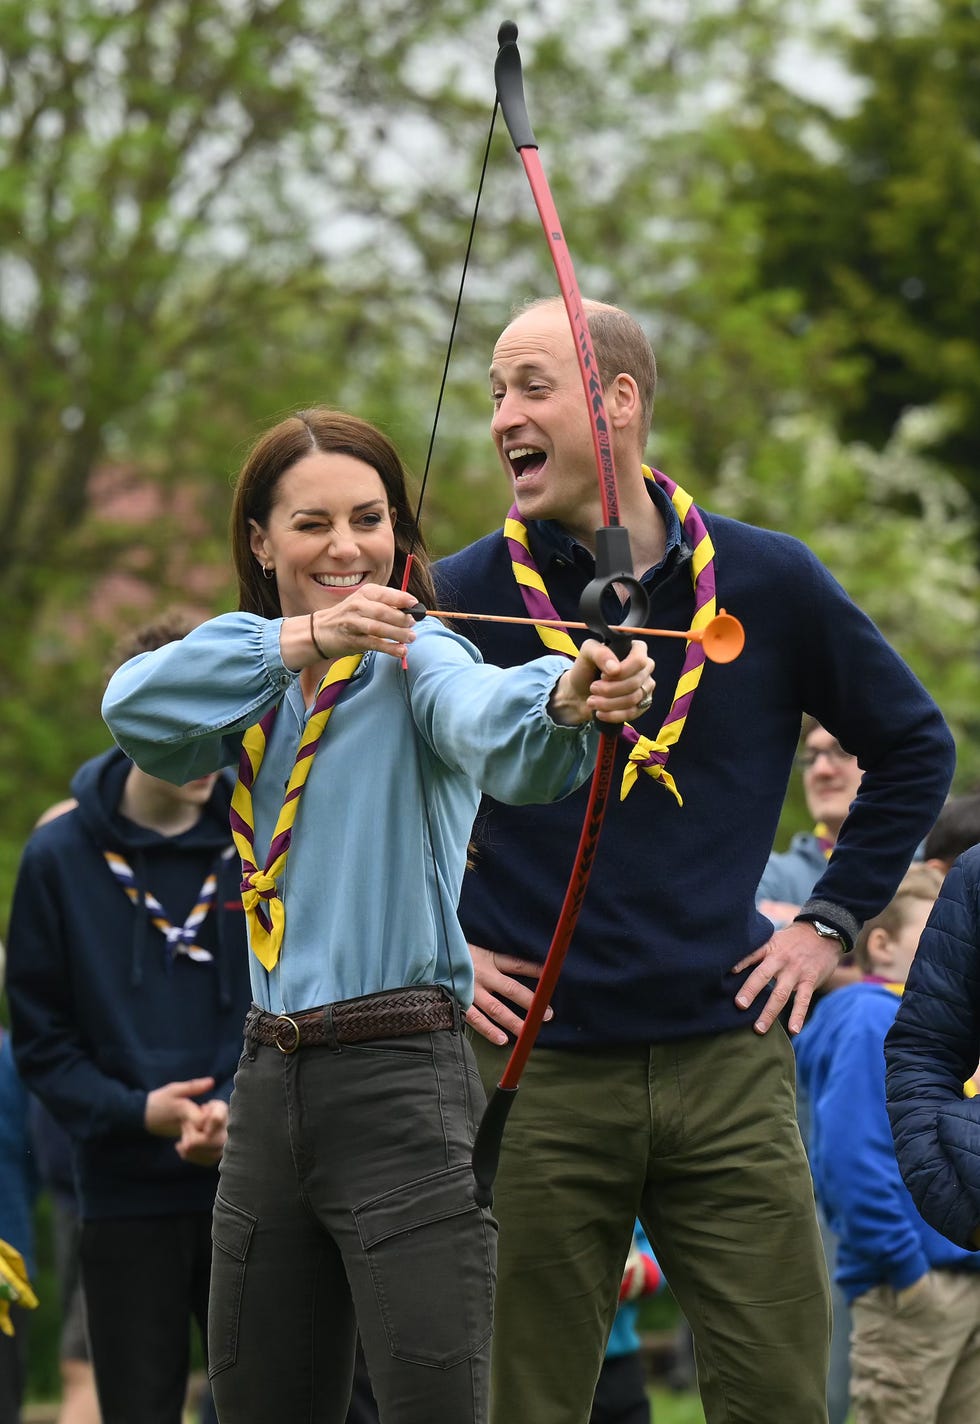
[{"x": 380, "y": 840}]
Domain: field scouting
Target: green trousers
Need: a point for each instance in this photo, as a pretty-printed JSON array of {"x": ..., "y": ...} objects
[{"x": 700, "y": 1140}]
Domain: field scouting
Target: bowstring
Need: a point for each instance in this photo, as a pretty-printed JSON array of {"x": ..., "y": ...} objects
[{"x": 416, "y": 534}]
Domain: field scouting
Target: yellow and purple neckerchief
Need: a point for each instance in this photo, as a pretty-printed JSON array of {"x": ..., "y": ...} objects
[
  {"x": 180, "y": 939},
  {"x": 264, "y": 909},
  {"x": 824, "y": 839},
  {"x": 648, "y": 753}
]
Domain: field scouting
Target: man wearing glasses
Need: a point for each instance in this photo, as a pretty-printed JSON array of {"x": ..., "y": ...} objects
[{"x": 831, "y": 777}]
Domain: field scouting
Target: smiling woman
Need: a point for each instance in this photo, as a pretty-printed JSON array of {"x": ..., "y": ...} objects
[{"x": 346, "y": 1193}]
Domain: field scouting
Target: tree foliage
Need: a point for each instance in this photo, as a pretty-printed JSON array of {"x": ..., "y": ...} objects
[{"x": 212, "y": 211}]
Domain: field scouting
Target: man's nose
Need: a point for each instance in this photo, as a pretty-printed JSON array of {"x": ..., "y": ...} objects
[{"x": 507, "y": 414}]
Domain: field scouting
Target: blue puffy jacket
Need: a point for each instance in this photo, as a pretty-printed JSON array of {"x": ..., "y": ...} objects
[{"x": 931, "y": 1050}]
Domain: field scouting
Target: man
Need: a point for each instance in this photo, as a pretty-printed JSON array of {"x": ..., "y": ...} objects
[
  {"x": 649, "y": 1093},
  {"x": 128, "y": 988}
]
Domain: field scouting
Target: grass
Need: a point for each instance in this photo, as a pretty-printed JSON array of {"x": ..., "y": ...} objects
[{"x": 670, "y": 1408}]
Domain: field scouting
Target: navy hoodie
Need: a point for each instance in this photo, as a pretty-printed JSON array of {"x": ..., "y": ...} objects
[{"x": 100, "y": 1013}]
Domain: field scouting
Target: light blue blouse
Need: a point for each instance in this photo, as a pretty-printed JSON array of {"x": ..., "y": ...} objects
[{"x": 380, "y": 840}]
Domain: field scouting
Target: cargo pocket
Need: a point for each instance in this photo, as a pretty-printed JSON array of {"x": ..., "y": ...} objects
[
  {"x": 231, "y": 1235},
  {"x": 432, "y": 1255}
]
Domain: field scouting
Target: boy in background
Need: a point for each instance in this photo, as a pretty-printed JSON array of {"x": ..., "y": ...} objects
[{"x": 914, "y": 1297}]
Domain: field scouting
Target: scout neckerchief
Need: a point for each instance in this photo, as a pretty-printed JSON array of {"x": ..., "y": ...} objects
[
  {"x": 649, "y": 753},
  {"x": 180, "y": 939},
  {"x": 264, "y": 908},
  {"x": 825, "y": 840}
]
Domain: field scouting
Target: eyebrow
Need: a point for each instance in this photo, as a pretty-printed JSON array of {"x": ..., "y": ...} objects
[
  {"x": 358, "y": 509},
  {"x": 524, "y": 369}
]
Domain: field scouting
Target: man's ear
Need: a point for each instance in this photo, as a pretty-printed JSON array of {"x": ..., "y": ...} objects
[{"x": 622, "y": 400}]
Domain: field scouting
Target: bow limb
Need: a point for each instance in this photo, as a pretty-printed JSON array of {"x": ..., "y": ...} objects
[{"x": 614, "y": 565}]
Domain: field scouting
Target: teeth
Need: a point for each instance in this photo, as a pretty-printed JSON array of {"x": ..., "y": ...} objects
[
  {"x": 521, "y": 452},
  {"x": 338, "y": 580}
]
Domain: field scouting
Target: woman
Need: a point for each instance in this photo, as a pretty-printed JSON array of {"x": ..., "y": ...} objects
[{"x": 346, "y": 1189}]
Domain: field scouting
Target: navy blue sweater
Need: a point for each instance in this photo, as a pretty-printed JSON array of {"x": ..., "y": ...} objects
[
  {"x": 100, "y": 1016},
  {"x": 671, "y": 904}
]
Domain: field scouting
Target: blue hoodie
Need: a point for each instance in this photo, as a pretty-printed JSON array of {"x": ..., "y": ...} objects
[
  {"x": 100, "y": 1013},
  {"x": 840, "y": 1057}
]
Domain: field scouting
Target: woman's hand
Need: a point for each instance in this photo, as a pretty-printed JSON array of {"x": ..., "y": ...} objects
[
  {"x": 598, "y": 684},
  {"x": 372, "y": 618}
]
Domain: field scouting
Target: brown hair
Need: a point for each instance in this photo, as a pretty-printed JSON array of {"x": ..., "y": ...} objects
[
  {"x": 275, "y": 452},
  {"x": 920, "y": 882},
  {"x": 620, "y": 345},
  {"x": 169, "y": 627}
]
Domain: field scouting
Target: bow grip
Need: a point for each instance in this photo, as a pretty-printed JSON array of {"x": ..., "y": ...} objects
[{"x": 613, "y": 564}]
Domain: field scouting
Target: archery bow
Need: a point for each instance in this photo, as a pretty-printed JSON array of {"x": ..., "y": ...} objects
[{"x": 614, "y": 565}]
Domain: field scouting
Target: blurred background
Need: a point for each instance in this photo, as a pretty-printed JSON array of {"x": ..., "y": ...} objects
[{"x": 215, "y": 211}]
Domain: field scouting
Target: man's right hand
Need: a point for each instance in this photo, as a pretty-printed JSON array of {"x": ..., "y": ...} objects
[
  {"x": 170, "y": 1107},
  {"x": 490, "y": 1013}
]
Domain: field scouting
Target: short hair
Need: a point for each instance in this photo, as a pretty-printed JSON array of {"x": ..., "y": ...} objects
[
  {"x": 956, "y": 829},
  {"x": 920, "y": 882},
  {"x": 284, "y": 445},
  {"x": 620, "y": 344},
  {"x": 168, "y": 627}
]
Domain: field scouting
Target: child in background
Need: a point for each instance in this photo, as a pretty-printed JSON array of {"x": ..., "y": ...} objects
[
  {"x": 620, "y": 1392},
  {"x": 914, "y": 1297}
]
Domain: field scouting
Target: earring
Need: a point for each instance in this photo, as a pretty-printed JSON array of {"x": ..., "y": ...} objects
[{"x": 268, "y": 571}]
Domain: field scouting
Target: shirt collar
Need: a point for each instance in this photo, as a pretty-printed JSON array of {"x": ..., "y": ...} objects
[{"x": 559, "y": 544}]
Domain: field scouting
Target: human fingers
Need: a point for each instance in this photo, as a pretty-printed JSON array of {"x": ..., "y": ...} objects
[
  {"x": 497, "y": 994},
  {"x": 625, "y": 686},
  {"x": 374, "y": 618}
]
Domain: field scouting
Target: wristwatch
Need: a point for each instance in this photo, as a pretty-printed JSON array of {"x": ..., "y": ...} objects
[{"x": 826, "y": 931}]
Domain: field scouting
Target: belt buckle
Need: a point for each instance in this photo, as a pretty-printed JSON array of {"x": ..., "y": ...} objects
[{"x": 277, "y": 1029}]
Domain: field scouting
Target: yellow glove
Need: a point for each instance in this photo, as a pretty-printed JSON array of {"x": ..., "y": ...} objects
[{"x": 15, "y": 1288}]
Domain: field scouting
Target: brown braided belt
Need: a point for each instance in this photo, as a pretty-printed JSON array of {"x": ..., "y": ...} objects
[{"x": 392, "y": 1013}]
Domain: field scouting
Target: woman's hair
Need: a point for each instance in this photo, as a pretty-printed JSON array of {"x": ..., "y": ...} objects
[
  {"x": 921, "y": 882},
  {"x": 275, "y": 452}
]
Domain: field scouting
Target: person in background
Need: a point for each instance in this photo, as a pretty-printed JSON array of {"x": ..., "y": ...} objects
[
  {"x": 914, "y": 1297},
  {"x": 931, "y": 1050},
  {"x": 621, "y": 1389},
  {"x": 957, "y": 828},
  {"x": 657, "y": 1088},
  {"x": 127, "y": 984},
  {"x": 362, "y": 741},
  {"x": 18, "y": 1189},
  {"x": 831, "y": 780},
  {"x": 52, "y": 1146},
  {"x": 53, "y": 1150}
]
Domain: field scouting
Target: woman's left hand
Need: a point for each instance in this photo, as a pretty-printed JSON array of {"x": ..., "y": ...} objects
[{"x": 598, "y": 684}]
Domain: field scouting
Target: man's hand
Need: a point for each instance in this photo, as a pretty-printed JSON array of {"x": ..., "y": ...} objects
[
  {"x": 796, "y": 960},
  {"x": 170, "y": 1107},
  {"x": 203, "y": 1142},
  {"x": 489, "y": 1014}
]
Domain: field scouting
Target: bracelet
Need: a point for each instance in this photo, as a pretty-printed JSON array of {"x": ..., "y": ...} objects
[{"x": 316, "y": 645}]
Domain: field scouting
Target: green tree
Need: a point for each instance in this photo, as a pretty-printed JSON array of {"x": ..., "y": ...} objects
[{"x": 869, "y": 216}]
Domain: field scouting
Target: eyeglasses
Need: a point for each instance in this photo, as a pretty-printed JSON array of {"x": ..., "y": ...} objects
[{"x": 807, "y": 758}]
